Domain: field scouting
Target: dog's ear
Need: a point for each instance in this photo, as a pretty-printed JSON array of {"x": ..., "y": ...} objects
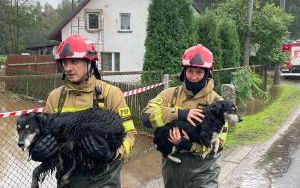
[
  {"x": 40, "y": 117},
  {"x": 217, "y": 107}
]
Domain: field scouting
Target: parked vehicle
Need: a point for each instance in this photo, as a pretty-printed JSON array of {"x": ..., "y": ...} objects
[{"x": 292, "y": 50}]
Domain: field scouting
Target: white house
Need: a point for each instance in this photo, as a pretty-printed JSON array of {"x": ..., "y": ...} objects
[{"x": 117, "y": 27}]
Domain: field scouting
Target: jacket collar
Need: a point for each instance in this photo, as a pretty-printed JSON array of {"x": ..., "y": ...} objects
[
  {"x": 85, "y": 87},
  {"x": 203, "y": 92}
]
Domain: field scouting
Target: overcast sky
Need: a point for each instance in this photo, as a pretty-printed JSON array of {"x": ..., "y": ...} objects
[{"x": 53, "y": 3}]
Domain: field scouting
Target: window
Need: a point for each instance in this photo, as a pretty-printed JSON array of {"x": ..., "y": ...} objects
[
  {"x": 125, "y": 21},
  {"x": 110, "y": 61},
  {"x": 93, "y": 20}
]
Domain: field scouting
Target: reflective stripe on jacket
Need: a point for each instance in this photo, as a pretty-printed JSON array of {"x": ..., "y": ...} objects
[{"x": 80, "y": 97}]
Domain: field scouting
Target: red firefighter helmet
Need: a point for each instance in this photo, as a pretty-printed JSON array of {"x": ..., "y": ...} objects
[
  {"x": 197, "y": 56},
  {"x": 78, "y": 47}
]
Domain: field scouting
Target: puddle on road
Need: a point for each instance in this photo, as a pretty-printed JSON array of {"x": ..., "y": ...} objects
[
  {"x": 278, "y": 167},
  {"x": 279, "y": 158}
]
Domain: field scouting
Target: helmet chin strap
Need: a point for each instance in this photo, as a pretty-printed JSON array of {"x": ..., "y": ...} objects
[{"x": 89, "y": 71}]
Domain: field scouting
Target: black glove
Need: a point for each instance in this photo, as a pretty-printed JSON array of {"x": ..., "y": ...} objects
[
  {"x": 145, "y": 118},
  {"x": 184, "y": 144},
  {"x": 96, "y": 148},
  {"x": 183, "y": 113},
  {"x": 44, "y": 148}
]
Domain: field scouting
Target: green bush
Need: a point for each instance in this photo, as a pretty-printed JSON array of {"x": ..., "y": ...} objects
[
  {"x": 248, "y": 86},
  {"x": 2, "y": 59},
  {"x": 229, "y": 43}
]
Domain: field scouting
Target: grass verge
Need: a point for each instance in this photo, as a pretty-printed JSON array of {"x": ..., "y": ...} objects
[
  {"x": 2, "y": 58},
  {"x": 259, "y": 127}
]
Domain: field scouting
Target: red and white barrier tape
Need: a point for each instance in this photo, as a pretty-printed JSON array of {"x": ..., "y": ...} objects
[
  {"x": 42, "y": 109},
  {"x": 143, "y": 89},
  {"x": 21, "y": 112}
]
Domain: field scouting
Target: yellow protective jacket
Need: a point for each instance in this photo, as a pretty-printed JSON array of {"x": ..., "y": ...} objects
[
  {"x": 164, "y": 107},
  {"x": 80, "y": 97}
]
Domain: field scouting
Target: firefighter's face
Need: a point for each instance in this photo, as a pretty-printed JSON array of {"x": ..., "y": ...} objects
[
  {"x": 194, "y": 74},
  {"x": 76, "y": 70}
]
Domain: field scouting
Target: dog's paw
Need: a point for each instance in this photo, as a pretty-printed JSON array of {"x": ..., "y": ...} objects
[{"x": 174, "y": 159}]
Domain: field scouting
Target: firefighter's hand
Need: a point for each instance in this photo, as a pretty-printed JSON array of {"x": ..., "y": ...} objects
[
  {"x": 194, "y": 116},
  {"x": 44, "y": 148},
  {"x": 182, "y": 142}
]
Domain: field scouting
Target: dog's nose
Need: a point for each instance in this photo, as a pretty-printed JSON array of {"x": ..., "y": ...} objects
[{"x": 21, "y": 144}]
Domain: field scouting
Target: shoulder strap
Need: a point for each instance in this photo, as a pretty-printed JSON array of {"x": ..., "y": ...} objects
[
  {"x": 103, "y": 98},
  {"x": 96, "y": 93},
  {"x": 61, "y": 101},
  {"x": 174, "y": 97}
]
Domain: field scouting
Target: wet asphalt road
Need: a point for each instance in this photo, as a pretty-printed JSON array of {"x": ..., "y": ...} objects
[
  {"x": 279, "y": 167},
  {"x": 281, "y": 163}
]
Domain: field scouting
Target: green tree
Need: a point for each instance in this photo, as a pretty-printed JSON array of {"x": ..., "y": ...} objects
[
  {"x": 230, "y": 45},
  {"x": 269, "y": 27},
  {"x": 236, "y": 10},
  {"x": 26, "y": 23},
  {"x": 208, "y": 35},
  {"x": 292, "y": 7},
  {"x": 5, "y": 45},
  {"x": 37, "y": 26},
  {"x": 64, "y": 8},
  {"x": 169, "y": 33}
]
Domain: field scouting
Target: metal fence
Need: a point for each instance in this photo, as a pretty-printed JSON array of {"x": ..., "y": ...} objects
[{"x": 29, "y": 90}]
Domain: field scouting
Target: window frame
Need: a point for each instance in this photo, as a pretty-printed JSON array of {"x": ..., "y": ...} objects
[
  {"x": 89, "y": 21},
  {"x": 87, "y": 13},
  {"x": 121, "y": 30},
  {"x": 113, "y": 61}
]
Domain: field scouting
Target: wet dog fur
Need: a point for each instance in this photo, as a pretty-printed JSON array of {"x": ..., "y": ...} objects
[
  {"x": 68, "y": 129},
  {"x": 206, "y": 132}
]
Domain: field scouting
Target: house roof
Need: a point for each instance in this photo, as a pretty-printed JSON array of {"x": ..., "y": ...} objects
[
  {"x": 41, "y": 44},
  {"x": 56, "y": 33}
]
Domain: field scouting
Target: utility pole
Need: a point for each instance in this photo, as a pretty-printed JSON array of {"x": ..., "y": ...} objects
[
  {"x": 276, "y": 80},
  {"x": 72, "y": 4},
  {"x": 282, "y": 5},
  {"x": 248, "y": 34}
]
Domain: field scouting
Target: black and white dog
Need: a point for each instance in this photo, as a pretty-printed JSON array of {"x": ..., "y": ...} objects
[
  {"x": 205, "y": 133},
  {"x": 71, "y": 130}
]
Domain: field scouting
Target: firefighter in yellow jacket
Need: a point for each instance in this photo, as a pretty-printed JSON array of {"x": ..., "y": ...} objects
[
  {"x": 185, "y": 103},
  {"x": 83, "y": 90}
]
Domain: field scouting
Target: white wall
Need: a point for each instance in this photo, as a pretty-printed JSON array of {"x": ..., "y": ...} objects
[{"x": 129, "y": 45}]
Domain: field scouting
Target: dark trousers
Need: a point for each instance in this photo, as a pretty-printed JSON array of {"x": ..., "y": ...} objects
[
  {"x": 192, "y": 172},
  {"x": 110, "y": 178}
]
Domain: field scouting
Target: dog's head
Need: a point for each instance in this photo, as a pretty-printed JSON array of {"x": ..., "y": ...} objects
[
  {"x": 29, "y": 128},
  {"x": 230, "y": 111}
]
